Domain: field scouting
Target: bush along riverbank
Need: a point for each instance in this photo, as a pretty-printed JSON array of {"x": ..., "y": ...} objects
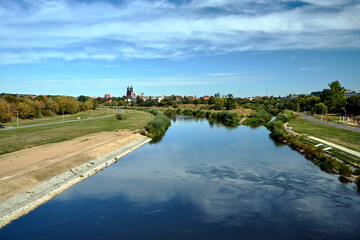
[
  {"x": 155, "y": 128},
  {"x": 258, "y": 118},
  {"x": 225, "y": 117},
  {"x": 322, "y": 159}
]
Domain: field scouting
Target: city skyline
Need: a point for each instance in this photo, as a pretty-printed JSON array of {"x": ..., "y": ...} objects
[{"x": 76, "y": 47}]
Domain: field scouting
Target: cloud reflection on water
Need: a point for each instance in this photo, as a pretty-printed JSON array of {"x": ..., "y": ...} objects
[{"x": 231, "y": 184}]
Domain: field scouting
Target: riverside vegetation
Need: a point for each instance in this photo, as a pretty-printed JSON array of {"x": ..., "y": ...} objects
[
  {"x": 225, "y": 117},
  {"x": 325, "y": 161}
]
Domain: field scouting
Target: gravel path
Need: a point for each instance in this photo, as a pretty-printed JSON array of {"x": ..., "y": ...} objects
[{"x": 311, "y": 119}]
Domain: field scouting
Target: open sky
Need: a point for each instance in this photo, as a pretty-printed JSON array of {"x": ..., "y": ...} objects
[{"x": 185, "y": 47}]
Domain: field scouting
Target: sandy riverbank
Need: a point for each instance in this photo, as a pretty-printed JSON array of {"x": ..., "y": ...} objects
[{"x": 32, "y": 176}]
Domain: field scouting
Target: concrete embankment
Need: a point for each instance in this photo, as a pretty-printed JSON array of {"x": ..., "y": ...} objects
[{"x": 16, "y": 206}]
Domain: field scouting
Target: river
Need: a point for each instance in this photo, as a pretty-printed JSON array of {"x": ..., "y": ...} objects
[{"x": 201, "y": 181}]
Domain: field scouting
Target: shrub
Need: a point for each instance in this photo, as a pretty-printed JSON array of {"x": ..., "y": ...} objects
[
  {"x": 357, "y": 171},
  {"x": 209, "y": 114},
  {"x": 344, "y": 170},
  {"x": 218, "y": 105},
  {"x": 143, "y": 132},
  {"x": 199, "y": 113},
  {"x": 257, "y": 118},
  {"x": 159, "y": 124},
  {"x": 277, "y": 128},
  {"x": 47, "y": 113},
  {"x": 228, "y": 118},
  {"x": 320, "y": 108},
  {"x": 119, "y": 116},
  {"x": 187, "y": 112},
  {"x": 285, "y": 116}
]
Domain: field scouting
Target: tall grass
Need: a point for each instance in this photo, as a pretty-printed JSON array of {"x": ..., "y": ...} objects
[{"x": 257, "y": 118}]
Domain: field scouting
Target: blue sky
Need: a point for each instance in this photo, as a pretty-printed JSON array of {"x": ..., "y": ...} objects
[{"x": 184, "y": 47}]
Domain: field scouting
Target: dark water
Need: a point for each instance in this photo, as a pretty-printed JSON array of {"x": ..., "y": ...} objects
[{"x": 201, "y": 182}]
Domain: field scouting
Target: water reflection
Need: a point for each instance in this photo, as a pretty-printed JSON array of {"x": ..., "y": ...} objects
[{"x": 211, "y": 183}]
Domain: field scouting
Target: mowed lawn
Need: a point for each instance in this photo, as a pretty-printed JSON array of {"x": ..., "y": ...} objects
[
  {"x": 339, "y": 136},
  {"x": 14, "y": 140},
  {"x": 99, "y": 112}
]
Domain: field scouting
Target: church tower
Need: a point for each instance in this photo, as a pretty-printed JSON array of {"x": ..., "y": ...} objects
[{"x": 130, "y": 92}]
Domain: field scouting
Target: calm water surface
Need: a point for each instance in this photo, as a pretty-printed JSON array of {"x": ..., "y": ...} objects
[{"x": 201, "y": 181}]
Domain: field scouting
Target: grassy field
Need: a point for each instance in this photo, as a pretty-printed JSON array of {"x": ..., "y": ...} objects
[
  {"x": 14, "y": 140},
  {"x": 339, "y": 136},
  {"x": 59, "y": 118}
]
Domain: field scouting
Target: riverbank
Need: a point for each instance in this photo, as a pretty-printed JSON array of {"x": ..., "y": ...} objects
[
  {"x": 28, "y": 178},
  {"x": 324, "y": 158}
]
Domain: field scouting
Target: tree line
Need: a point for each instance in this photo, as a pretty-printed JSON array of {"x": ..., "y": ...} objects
[
  {"x": 331, "y": 99},
  {"x": 26, "y": 107}
]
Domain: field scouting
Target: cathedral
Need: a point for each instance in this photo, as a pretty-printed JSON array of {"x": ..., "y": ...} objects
[{"x": 130, "y": 92}]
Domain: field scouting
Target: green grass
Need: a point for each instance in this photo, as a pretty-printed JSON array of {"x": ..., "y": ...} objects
[
  {"x": 14, "y": 140},
  {"x": 339, "y": 136},
  {"x": 59, "y": 118}
]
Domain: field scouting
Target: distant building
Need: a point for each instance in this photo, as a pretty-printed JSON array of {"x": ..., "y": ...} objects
[
  {"x": 107, "y": 96},
  {"x": 130, "y": 92},
  {"x": 291, "y": 96},
  {"x": 349, "y": 93},
  {"x": 316, "y": 93},
  {"x": 206, "y": 97}
]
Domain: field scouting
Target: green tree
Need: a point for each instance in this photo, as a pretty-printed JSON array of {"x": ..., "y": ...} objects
[
  {"x": 83, "y": 98},
  {"x": 139, "y": 101},
  {"x": 230, "y": 102},
  {"x": 334, "y": 97},
  {"x": 353, "y": 104},
  {"x": 218, "y": 105},
  {"x": 320, "y": 108},
  {"x": 211, "y": 100}
]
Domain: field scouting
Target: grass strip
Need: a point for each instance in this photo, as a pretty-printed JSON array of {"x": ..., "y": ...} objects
[
  {"x": 17, "y": 139},
  {"x": 339, "y": 136}
]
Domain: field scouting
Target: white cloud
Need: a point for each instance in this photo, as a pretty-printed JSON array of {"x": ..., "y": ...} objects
[
  {"x": 37, "y": 30},
  {"x": 310, "y": 68}
]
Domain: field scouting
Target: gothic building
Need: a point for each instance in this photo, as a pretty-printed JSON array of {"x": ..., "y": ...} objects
[{"x": 130, "y": 92}]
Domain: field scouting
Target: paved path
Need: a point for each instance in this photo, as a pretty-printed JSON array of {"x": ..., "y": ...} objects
[
  {"x": 311, "y": 119},
  {"x": 44, "y": 124},
  {"x": 344, "y": 149}
]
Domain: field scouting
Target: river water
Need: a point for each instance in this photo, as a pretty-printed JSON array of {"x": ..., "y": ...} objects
[{"x": 201, "y": 181}]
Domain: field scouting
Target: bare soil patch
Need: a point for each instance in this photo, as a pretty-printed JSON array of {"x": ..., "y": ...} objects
[{"x": 24, "y": 169}]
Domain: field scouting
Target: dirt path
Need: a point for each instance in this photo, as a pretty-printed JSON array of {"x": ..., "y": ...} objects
[{"x": 26, "y": 168}]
